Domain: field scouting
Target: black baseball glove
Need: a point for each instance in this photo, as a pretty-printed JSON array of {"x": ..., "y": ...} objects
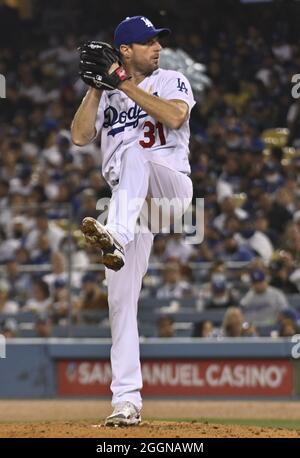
[{"x": 96, "y": 58}]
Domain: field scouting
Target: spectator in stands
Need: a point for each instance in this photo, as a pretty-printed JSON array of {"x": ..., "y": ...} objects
[
  {"x": 19, "y": 282},
  {"x": 262, "y": 303},
  {"x": 22, "y": 256},
  {"x": 203, "y": 329},
  {"x": 7, "y": 245},
  {"x": 17, "y": 207},
  {"x": 218, "y": 290},
  {"x": 165, "y": 326},
  {"x": 255, "y": 240},
  {"x": 173, "y": 285},
  {"x": 43, "y": 326},
  {"x": 42, "y": 252},
  {"x": 89, "y": 161},
  {"x": 211, "y": 246},
  {"x": 222, "y": 295},
  {"x": 276, "y": 211},
  {"x": 282, "y": 270},
  {"x": 9, "y": 328},
  {"x": 59, "y": 271},
  {"x": 234, "y": 324},
  {"x": 290, "y": 240},
  {"x": 218, "y": 268},
  {"x": 61, "y": 301},
  {"x": 62, "y": 201},
  {"x": 232, "y": 225},
  {"x": 230, "y": 179},
  {"x": 91, "y": 297},
  {"x": 36, "y": 198},
  {"x": 255, "y": 188},
  {"x": 23, "y": 182},
  {"x": 10, "y": 165},
  {"x": 7, "y": 306},
  {"x": 88, "y": 205},
  {"x": 288, "y": 328},
  {"x": 177, "y": 249},
  {"x": 273, "y": 179},
  {"x": 261, "y": 224},
  {"x": 203, "y": 253},
  {"x": 99, "y": 185},
  {"x": 44, "y": 227},
  {"x": 229, "y": 208},
  {"x": 4, "y": 190},
  {"x": 234, "y": 252},
  {"x": 39, "y": 300},
  {"x": 18, "y": 232},
  {"x": 71, "y": 245},
  {"x": 289, "y": 314},
  {"x": 159, "y": 247},
  {"x": 53, "y": 155}
]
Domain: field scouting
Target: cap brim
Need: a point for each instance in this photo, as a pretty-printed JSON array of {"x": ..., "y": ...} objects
[
  {"x": 163, "y": 32},
  {"x": 153, "y": 33}
]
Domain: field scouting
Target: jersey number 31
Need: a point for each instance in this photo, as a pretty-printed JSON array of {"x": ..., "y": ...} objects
[{"x": 149, "y": 134}]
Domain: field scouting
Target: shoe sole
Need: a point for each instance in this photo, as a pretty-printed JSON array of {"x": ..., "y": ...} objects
[
  {"x": 112, "y": 261},
  {"x": 97, "y": 236},
  {"x": 123, "y": 421}
]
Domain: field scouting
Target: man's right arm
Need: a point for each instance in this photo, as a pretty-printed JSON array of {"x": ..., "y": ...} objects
[{"x": 83, "y": 125}]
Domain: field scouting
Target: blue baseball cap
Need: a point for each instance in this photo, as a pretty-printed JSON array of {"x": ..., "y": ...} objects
[
  {"x": 136, "y": 29},
  {"x": 89, "y": 277},
  {"x": 257, "y": 275},
  {"x": 218, "y": 286}
]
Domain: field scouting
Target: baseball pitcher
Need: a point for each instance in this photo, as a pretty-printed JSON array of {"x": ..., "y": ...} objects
[{"x": 142, "y": 114}]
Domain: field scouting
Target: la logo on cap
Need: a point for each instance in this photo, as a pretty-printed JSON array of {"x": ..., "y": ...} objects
[{"x": 147, "y": 22}]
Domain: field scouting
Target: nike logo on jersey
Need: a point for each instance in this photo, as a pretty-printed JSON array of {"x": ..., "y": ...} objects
[{"x": 119, "y": 120}]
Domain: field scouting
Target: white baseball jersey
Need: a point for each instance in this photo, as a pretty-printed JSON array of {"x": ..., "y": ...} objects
[{"x": 123, "y": 124}]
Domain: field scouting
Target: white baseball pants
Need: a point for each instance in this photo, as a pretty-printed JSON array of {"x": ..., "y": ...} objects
[{"x": 142, "y": 175}]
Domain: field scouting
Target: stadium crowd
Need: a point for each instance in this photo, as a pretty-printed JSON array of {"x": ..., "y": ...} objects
[{"x": 245, "y": 159}]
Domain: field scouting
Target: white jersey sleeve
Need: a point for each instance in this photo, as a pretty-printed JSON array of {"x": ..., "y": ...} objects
[{"x": 177, "y": 87}]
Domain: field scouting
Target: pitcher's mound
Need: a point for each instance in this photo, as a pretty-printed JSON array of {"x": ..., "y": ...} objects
[{"x": 151, "y": 429}]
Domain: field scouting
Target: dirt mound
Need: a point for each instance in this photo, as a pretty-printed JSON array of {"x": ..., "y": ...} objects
[
  {"x": 84, "y": 418},
  {"x": 151, "y": 429}
]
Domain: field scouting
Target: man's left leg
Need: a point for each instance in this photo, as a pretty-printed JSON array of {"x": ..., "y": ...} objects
[{"x": 123, "y": 293}]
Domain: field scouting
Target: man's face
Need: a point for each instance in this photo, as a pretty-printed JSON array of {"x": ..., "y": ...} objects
[
  {"x": 144, "y": 57},
  {"x": 166, "y": 328},
  {"x": 260, "y": 286},
  {"x": 42, "y": 223}
]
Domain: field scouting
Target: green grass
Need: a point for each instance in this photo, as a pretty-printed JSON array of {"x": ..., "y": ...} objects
[{"x": 268, "y": 423}]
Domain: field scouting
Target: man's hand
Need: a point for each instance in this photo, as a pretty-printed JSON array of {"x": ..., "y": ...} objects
[{"x": 100, "y": 65}]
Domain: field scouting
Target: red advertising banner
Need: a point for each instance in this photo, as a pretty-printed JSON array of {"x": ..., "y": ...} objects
[{"x": 183, "y": 378}]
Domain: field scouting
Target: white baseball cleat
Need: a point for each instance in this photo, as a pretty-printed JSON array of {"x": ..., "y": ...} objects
[
  {"x": 95, "y": 234},
  {"x": 124, "y": 414}
]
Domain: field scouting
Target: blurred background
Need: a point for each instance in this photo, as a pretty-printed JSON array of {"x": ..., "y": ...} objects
[{"x": 244, "y": 279}]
